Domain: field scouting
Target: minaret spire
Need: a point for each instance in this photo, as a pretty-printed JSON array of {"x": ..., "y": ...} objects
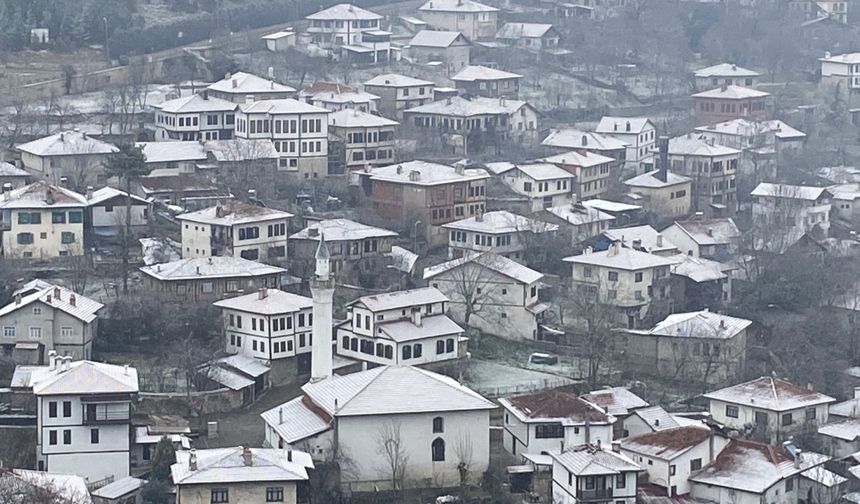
[{"x": 322, "y": 291}]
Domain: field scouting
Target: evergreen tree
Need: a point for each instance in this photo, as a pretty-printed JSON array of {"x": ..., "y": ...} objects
[{"x": 163, "y": 457}]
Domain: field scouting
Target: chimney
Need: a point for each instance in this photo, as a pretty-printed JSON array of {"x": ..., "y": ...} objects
[
  {"x": 271, "y": 73},
  {"x": 67, "y": 361},
  {"x": 227, "y": 76},
  {"x": 18, "y": 299},
  {"x": 73, "y": 300},
  {"x": 810, "y": 387},
  {"x": 826, "y": 54},
  {"x": 192, "y": 460},
  {"x": 856, "y": 392},
  {"x": 627, "y": 127},
  {"x": 616, "y": 446},
  {"x": 656, "y": 422},
  {"x": 246, "y": 456},
  {"x": 263, "y": 293},
  {"x": 637, "y": 244},
  {"x": 711, "y": 232},
  {"x": 84, "y": 135},
  {"x": 479, "y": 216},
  {"x": 198, "y": 270},
  {"x": 235, "y": 83},
  {"x": 252, "y": 194},
  {"x": 414, "y": 176},
  {"x": 280, "y": 416},
  {"x": 125, "y": 369},
  {"x": 722, "y": 323},
  {"x": 64, "y": 181},
  {"x": 416, "y": 316},
  {"x": 724, "y": 85},
  {"x": 57, "y": 293},
  {"x": 89, "y": 192},
  {"x": 205, "y": 94},
  {"x": 584, "y": 140},
  {"x": 399, "y": 169},
  {"x": 659, "y": 240},
  {"x": 48, "y": 299},
  {"x": 289, "y": 455},
  {"x": 459, "y": 169},
  {"x": 663, "y": 168},
  {"x": 52, "y": 360},
  {"x": 614, "y": 248},
  {"x": 62, "y": 137}
]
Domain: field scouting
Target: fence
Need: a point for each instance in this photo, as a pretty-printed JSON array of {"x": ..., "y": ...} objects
[{"x": 534, "y": 386}]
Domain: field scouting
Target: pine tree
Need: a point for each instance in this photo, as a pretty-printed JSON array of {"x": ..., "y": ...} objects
[{"x": 163, "y": 457}]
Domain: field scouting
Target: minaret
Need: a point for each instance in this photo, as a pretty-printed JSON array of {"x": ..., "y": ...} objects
[{"x": 322, "y": 290}]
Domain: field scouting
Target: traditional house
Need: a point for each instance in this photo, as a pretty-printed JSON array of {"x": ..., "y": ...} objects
[
  {"x": 644, "y": 238},
  {"x": 579, "y": 221},
  {"x": 841, "y": 436},
  {"x": 703, "y": 345},
  {"x": 341, "y": 25},
  {"x": 592, "y": 172},
  {"x": 533, "y": 37},
  {"x": 619, "y": 402},
  {"x": 83, "y": 413},
  {"x": 473, "y": 19},
  {"x": 186, "y": 191},
  {"x": 572, "y": 139},
  {"x": 269, "y": 324},
  {"x": 745, "y": 134},
  {"x": 126, "y": 490},
  {"x": 298, "y": 130},
  {"x": 841, "y": 70},
  {"x": 72, "y": 158},
  {"x": 50, "y": 318},
  {"x": 634, "y": 283},
  {"x": 769, "y": 408},
  {"x": 173, "y": 157},
  {"x": 652, "y": 419},
  {"x": 717, "y": 239},
  {"x": 358, "y": 412},
  {"x": 418, "y": 193},
  {"x": 368, "y": 139},
  {"x": 106, "y": 211},
  {"x": 12, "y": 177},
  {"x": 491, "y": 293},
  {"x": 500, "y": 232},
  {"x": 395, "y": 329},
  {"x": 398, "y": 93},
  {"x": 791, "y": 208},
  {"x": 239, "y": 474},
  {"x": 488, "y": 82},
  {"x": 725, "y": 73},
  {"x": 42, "y": 221},
  {"x": 550, "y": 420},
  {"x": 334, "y": 96},
  {"x": 699, "y": 283},
  {"x": 590, "y": 473},
  {"x": 544, "y": 184},
  {"x": 712, "y": 167},
  {"x": 235, "y": 229},
  {"x": 209, "y": 278},
  {"x": 195, "y": 117},
  {"x": 625, "y": 214},
  {"x": 639, "y": 133},
  {"x": 664, "y": 194},
  {"x": 448, "y": 47},
  {"x": 280, "y": 41},
  {"x": 727, "y": 102},
  {"x": 242, "y": 87}
]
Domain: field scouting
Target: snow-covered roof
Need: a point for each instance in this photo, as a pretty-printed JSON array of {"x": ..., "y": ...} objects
[
  {"x": 83, "y": 309},
  {"x": 618, "y": 401},
  {"x": 582, "y": 159},
  {"x": 241, "y": 149},
  {"x": 649, "y": 238},
  {"x": 339, "y": 97},
  {"x": 388, "y": 390},
  {"x": 697, "y": 145},
  {"x": 68, "y": 487},
  {"x": 401, "y": 299},
  {"x": 229, "y": 465},
  {"x": 119, "y": 488},
  {"x": 67, "y": 143},
  {"x": 275, "y": 302},
  {"x": 278, "y": 35},
  {"x": 431, "y": 326},
  {"x": 494, "y": 262},
  {"x": 10, "y": 170},
  {"x": 572, "y": 138},
  {"x": 461, "y": 107},
  {"x": 523, "y": 30},
  {"x": 347, "y": 118},
  {"x": 732, "y": 92},
  {"x": 233, "y": 213},
  {"x": 849, "y": 408},
  {"x": 247, "y": 365},
  {"x": 620, "y": 258},
  {"x": 246, "y": 83},
  {"x": 667, "y": 444},
  {"x": 726, "y": 70},
  {"x": 847, "y": 429},
  {"x": 341, "y": 230},
  {"x": 700, "y": 324},
  {"x": 823, "y": 476},
  {"x": 846, "y": 58},
  {"x": 614, "y": 125},
  {"x": 610, "y": 206},
  {"x": 716, "y": 231},
  {"x": 165, "y": 152},
  {"x": 654, "y": 179},
  {"x": 578, "y": 214},
  {"x": 81, "y": 377},
  {"x": 433, "y": 38},
  {"x": 770, "y": 393},
  {"x": 425, "y": 173},
  {"x": 344, "y": 12},
  {"x": 788, "y": 191},
  {"x": 199, "y": 268},
  {"x": 296, "y": 419},
  {"x": 590, "y": 460},
  {"x": 657, "y": 418},
  {"x": 42, "y": 195},
  {"x": 481, "y": 73},
  {"x": 456, "y": 6},
  {"x": 699, "y": 269},
  {"x": 754, "y": 467},
  {"x": 747, "y": 128},
  {"x": 281, "y": 106},
  {"x": 196, "y": 103},
  {"x": 543, "y": 171},
  {"x": 107, "y": 193},
  {"x": 397, "y": 80},
  {"x": 499, "y": 167},
  {"x": 555, "y": 406},
  {"x": 501, "y": 222}
]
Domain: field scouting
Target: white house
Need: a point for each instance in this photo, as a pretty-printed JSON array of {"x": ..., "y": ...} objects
[
  {"x": 449, "y": 47},
  {"x": 49, "y": 318},
  {"x": 803, "y": 209},
  {"x": 665, "y": 194},
  {"x": 725, "y": 73},
  {"x": 649, "y": 419},
  {"x": 545, "y": 184},
  {"x": 404, "y": 327},
  {"x": 639, "y": 133},
  {"x": 500, "y": 232},
  {"x": 428, "y": 414},
  {"x": 644, "y": 238},
  {"x": 479, "y": 80},
  {"x": 368, "y": 139},
  {"x": 590, "y": 473},
  {"x": 769, "y": 408},
  {"x": 107, "y": 211},
  {"x": 744, "y": 133},
  {"x": 240, "y": 474},
  {"x": 269, "y": 324},
  {"x": 746, "y": 472},
  {"x": 841, "y": 69},
  {"x": 341, "y": 25},
  {"x": 670, "y": 456},
  {"x": 841, "y": 436},
  {"x": 473, "y": 19},
  {"x": 209, "y": 278},
  {"x": 593, "y": 171},
  {"x": 717, "y": 238},
  {"x": 236, "y": 228},
  {"x": 12, "y": 175},
  {"x": 83, "y": 415},
  {"x": 619, "y": 402},
  {"x": 335, "y": 97},
  {"x": 280, "y": 40},
  {"x": 242, "y": 87},
  {"x": 714, "y": 168},
  {"x": 515, "y": 120},
  {"x": 579, "y": 221},
  {"x": 534, "y": 37},
  {"x": 569, "y": 139},
  {"x": 42, "y": 221},
  {"x": 500, "y": 295},
  {"x": 195, "y": 117},
  {"x": 298, "y": 130},
  {"x": 551, "y": 420},
  {"x": 72, "y": 154},
  {"x": 399, "y": 92}
]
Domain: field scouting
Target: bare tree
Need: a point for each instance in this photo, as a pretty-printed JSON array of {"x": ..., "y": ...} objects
[
  {"x": 20, "y": 488},
  {"x": 592, "y": 321},
  {"x": 391, "y": 446}
]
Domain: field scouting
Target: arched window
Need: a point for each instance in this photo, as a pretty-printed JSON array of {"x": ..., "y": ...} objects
[
  {"x": 346, "y": 342},
  {"x": 416, "y": 350},
  {"x": 438, "y": 425},
  {"x": 437, "y": 450},
  {"x": 450, "y": 345},
  {"x": 389, "y": 353},
  {"x": 440, "y": 347},
  {"x": 407, "y": 352}
]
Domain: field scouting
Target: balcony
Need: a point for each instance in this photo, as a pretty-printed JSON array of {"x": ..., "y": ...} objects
[
  {"x": 599, "y": 494},
  {"x": 106, "y": 413}
]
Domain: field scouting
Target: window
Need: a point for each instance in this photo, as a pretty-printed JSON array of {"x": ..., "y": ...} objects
[
  {"x": 67, "y": 237},
  {"x": 35, "y": 333},
  {"x": 810, "y": 414},
  {"x": 29, "y": 218},
  {"x": 437, "y": 450},
  {"x": 787, "y": 419},
  {"x": 25, "y": 238},
  {"x": 58, "y": 217},
  {"x": 731, "y": 411},
  {"x": 638, "y": 276},
  {"x": 438, "y": 425},
  {"x": 621, "y": 481},
  {"x": 440, "y": 347},
  {"x": 695, "y": 464},
  {"x": 789, "y": 485},
  {"x": 275, "y": 494},
  {"x": 9, "y": 331},
  {"x": 407, "y": 352},
  {"x": 67, "y": 436},
  {"x": 549, "y": 431},
  {"x": 52, "y": 409},
  {"x": 67, "y": 409},
  {"x": 94, "y": 436},
  {"x": 613, "y": 276},
  {"x": 220, "y": 495},
  {"x": 449, "y": 345},
  {"x": 589, "y": 483},
  {"x": 672, "y": 470},
  {"x": 52, "y": 437},
  {"x": 76, "y": 217}
]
